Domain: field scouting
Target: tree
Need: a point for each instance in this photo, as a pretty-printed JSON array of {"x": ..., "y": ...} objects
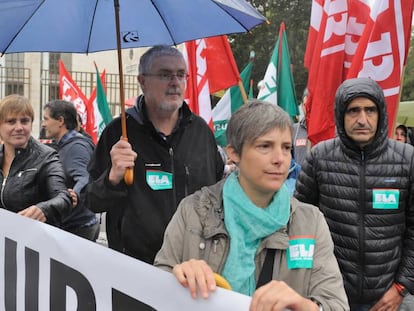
[
  {"x": 262, "y": 38},
  {"x": 407, "y": 92}
]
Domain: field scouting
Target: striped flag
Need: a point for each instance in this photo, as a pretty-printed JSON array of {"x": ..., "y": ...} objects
[
  {"x": 102, "y": 113},
  {"x": 211, "y": 67},
  {"x": 278, "y": 86},
  {"x": 229, "y": 103}
]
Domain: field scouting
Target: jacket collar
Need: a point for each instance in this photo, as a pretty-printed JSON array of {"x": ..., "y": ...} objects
[{"x": 210, "y": 211}]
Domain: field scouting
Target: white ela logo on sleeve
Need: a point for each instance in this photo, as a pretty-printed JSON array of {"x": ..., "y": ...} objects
[
  {"x": 385, "y": 198},
  {"x": 300, "y": 252},
  {"x": 159, "y": 180}
]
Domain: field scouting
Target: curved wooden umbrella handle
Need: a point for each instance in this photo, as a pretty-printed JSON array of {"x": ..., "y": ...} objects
[
  {"x": 129, "y": 173},
  {"x": 129, "y": 176},
  {"x": 221, "y": 281}
]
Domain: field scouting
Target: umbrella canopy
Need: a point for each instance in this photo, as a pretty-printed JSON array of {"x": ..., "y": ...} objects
[{"x": 84, "y": 26}]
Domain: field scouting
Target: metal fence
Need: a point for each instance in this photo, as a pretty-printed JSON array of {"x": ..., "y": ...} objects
[
  {"x": 86, "y": 81},
  {"x": 19, "y": 81},
  {"x": 14, "y": 81}
]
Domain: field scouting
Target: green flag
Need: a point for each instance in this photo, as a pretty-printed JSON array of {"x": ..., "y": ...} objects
[
  {"x": 228, "y": 104},
  {"x": 101, "y": 108},
  {"x": 278, "y": 86}
]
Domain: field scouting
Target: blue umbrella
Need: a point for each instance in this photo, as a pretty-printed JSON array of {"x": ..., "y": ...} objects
[{"x": 84, "y": 26}]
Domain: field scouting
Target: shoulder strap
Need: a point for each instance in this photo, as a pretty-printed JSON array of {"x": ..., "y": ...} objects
[{"x": 267, "y": 269}]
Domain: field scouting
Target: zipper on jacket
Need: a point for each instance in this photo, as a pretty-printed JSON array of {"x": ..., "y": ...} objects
[
  {"x": 187, "y": 180},
  {"x": 215, "y": 242},
  {"x": 174, "y": 189},
  {"x": 361, "y": 225},
  {"x": 28, "y": 170},
  {"x": 3, "y": 184}
]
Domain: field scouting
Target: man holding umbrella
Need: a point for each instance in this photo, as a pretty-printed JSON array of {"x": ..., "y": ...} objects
[{"x": 170, "y": 151}]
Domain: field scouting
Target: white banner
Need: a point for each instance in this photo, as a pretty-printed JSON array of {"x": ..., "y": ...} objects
[{"x": 44, "y": 268}]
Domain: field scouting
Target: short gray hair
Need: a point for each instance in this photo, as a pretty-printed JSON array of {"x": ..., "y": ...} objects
[
  {"x": 157, "y": 51},
  {"x": 253, "y": 120}
]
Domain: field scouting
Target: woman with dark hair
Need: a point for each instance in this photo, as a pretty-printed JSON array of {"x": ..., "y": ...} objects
[{"x": 401, "y": 133}]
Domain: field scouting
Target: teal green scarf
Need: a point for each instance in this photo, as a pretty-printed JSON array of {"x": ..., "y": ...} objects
[{"x": 248, "y": 225}]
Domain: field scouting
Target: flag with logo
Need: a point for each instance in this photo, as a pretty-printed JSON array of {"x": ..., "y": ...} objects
[
  {"x": 278, "y": 86},
  {"x": 69, "y": 91},
  {"x": 382, "y": 50},
  {"x": 102, "y": 113},
  {"x": 353, "y": 39},
  {"x": 229, "y": 103},
  {"x": 211, "y": 67}
]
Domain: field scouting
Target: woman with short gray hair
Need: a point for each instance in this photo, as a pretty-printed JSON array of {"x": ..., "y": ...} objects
[{"x": 249, "y": 229}]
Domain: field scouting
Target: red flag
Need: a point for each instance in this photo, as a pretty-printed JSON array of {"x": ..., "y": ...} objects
[
  {"x": 347, "y": 39},
  {"x": 325, "y": 56},
  {"x": 382, "y": 51},
  {"x": 211, "y": 67},
  {"x": 222, "y": 68},
  {"x": 68, "y": 90}
]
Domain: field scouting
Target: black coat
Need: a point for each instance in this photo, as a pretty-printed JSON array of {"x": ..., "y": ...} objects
[
  {"x": 36, "y": 177},
  {"x": 374, "y": 245},
  {"x": 137, "y": 215}
]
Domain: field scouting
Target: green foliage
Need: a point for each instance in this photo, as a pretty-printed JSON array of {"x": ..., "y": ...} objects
[
  {"x": 261, "y": 39},
  {"x": 407, "y": 92}
]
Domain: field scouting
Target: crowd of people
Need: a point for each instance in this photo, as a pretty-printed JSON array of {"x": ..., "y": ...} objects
[{"x": 295, "y": 226}]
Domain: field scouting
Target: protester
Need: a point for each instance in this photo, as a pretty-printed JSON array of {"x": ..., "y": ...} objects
[
  {"x": 79, "y": 127},
  {"x": 363, "y": 182},
  {"x": 301, "y": 143},
  {"x": 401, "y": 133},
  {"x": 75, "y": 150},
  {"x": 32, "y": 178},
  {"x": 172, "y": 152},
  {"x": 245, "y": 225}
]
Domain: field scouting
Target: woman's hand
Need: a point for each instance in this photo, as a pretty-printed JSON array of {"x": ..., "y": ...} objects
[
  {"x": 33, "y": 212},
  {"x": 278, "y": 296},
  {"x": 196, "y": 275}
]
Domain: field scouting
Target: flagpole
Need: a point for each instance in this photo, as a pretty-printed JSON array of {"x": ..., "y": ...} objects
[
  {"x": 240, "y": 82},
  {"x": 129, "y": 173},
  {"x": 243, "y": 92}
]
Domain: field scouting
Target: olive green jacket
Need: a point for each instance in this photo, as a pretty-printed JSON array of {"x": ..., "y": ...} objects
[{"x": 197, "y": 231}]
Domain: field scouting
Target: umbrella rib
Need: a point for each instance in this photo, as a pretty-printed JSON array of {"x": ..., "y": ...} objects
[
  {"x": 90, "y": 28},
  {"x": 235, "y": 19},
  {"x": 166, "y": 26},
  {"x": 18, "y": 32}
]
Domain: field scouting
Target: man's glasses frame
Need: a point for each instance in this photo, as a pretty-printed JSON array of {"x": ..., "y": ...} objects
[{"x": 169, "y": 76}]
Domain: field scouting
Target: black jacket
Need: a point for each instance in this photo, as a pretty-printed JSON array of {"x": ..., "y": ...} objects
[
  {"x": 36, "y": 177},
  {"x": 374, "y": 243},
  {"x": 138, "y": 215},
  {"x": 75, "y": 151}
]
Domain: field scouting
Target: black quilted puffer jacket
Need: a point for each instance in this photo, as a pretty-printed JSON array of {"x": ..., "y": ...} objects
[{"x": 374, "y": 244}]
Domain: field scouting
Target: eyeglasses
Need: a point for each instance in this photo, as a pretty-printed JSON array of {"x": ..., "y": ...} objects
[{"x": 168, "y": 76}]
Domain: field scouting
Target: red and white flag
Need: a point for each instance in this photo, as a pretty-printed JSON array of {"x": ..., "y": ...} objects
[
  {"x": 382, "y": 50},
  {"x": 211, "y": 67},
  {"x": 69, "y": 90},
  {"x": 350, "y": 38}
]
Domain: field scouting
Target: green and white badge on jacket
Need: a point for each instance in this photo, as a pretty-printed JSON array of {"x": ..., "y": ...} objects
[
  {"x": 385, "y": 198},
  {"x": 300, "y": 252},
  {"x": 159, "y": 180}
]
